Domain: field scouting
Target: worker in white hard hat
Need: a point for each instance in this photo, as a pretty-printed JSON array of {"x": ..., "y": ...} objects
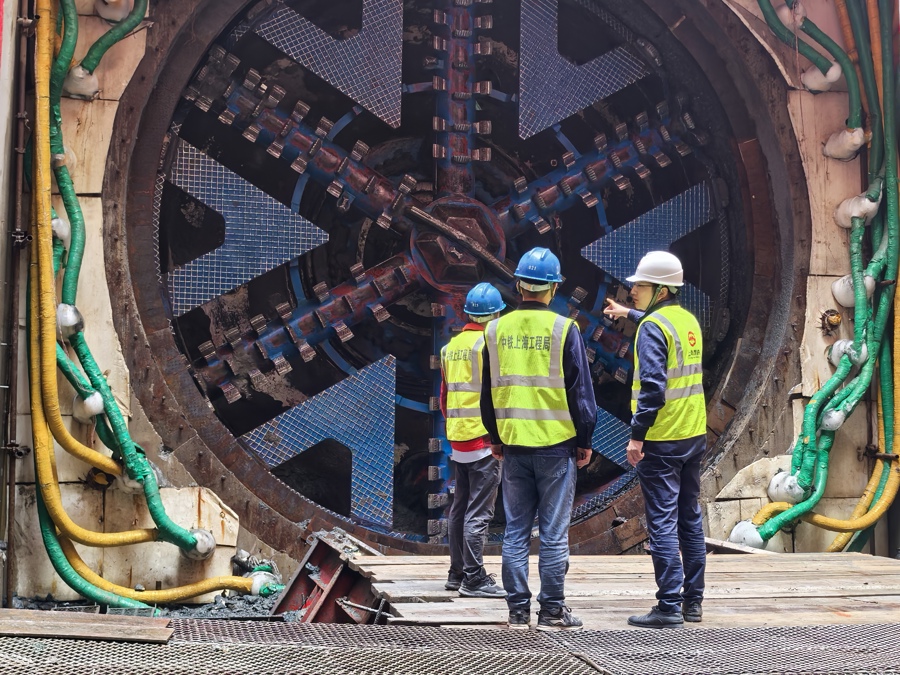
[{"x": 668, "y": 436}]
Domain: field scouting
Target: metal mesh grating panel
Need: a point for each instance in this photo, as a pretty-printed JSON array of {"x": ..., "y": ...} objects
[
  {"x": 366, "y": 67},
  {"x": 599, "y": 502},
  {"x": 619, "y": 251},
  {"x": 260, "y": 232},
  {"x": 808, "y": 649},
  {"x": 95, "y": 658},
  {"x": 206, "y": 647},
  {"x": 343, "y": 635},
  {"x": 698, "y": 303},
  {"x": 550, "y": 87},
  {"x": 611, "y": 435},
  {"x": 368, "y": 432}
]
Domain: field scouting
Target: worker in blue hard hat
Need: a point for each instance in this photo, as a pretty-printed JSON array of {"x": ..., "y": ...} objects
[
  {"x": 477, "y": 472},
  {"x": 668, "y": 436},
  {"x": 538, "y": 406}
]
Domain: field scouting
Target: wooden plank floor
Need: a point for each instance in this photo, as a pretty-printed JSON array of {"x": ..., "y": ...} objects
[
  {"x": 741, "y": 590},
  {"x": 72, "y": 625}
]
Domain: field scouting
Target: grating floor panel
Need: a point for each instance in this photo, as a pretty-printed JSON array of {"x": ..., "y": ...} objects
[
  {"x": 352, "y": 636},
  {"x": 20, "y": 655},
  {"x": 808, "y": 649},
  {"x": 256, "y": 647}
]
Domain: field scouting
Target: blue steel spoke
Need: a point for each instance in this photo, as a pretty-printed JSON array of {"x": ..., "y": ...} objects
[
  {"x": 455, "y": 89},
  {"x": 313, "y": 322},
  {"x": 580, "y": 178},
  {"x": 251, "y": 106},
  {"x": 366, "y": 67},
  {"x": 456, "y": 45},
  {"x": 608, "y": 349}
]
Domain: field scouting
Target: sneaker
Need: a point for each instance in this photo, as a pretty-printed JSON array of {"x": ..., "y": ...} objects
[
  {"x": 453, "y": 581},
  {"x": 520, "y": 619},
  {"x": 656, "y": 618},
  {"x": 692, "y": 611},
  {"x": 484, "y": 587},
  {"x": 560, "y": 618}
]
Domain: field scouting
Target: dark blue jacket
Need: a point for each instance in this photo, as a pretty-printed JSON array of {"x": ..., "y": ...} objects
[{"x": 579, "y": 394}]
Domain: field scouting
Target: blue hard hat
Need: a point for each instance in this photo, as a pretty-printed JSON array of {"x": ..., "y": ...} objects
[
  {"x": 483, "y": 300},
  {"x": 541, "y": 265}
]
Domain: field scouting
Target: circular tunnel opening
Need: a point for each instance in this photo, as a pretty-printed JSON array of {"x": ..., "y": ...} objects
[{"x": 309, "y": 298}]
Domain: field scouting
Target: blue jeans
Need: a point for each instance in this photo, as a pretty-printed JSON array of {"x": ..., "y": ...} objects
[
  {"x": 670, "y": 480},
  {"x": 542, "y": 486}
]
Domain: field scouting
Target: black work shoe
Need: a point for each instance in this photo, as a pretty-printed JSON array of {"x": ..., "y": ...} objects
[
  {"x": 485, "y": 587},
  {"x": 656, "y": 618},
  {"x": 692, "y": 611},
  {"x": 453, "y": 581},
  {"x": 520, "y": 619},
  {"x": 560, "y": 618}
]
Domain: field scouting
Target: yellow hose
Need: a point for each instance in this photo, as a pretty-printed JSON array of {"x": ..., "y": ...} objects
[
  {"x": 875, "y": 39},
  {"x": 846, "y": 30},
  {"x": 865, "y": 500},
  {"x": 862, "y": 506},
  {"x": 50, "y": 397},
  {"x": 45, "y": 463},
  {"x": 241, "y": 584},
  {"x": 43, "y": 296},
  {"x": 835, "y": 524},
  {"x": 46, "y": 287},
  {"x": 850, "y": 42}
]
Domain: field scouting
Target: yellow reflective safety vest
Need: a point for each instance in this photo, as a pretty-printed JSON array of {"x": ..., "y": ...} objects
[
  {"x": 528, "y": 386},
  {"x": 684, "y": 413},
  {"x": 462, "y": 363}
]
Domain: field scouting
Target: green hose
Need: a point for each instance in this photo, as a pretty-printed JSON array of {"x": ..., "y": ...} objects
[
  {"x": 770, "y": 528},
  {"x": 113, "y": 35},
  {"x": 886, "y": 367},
  {"x": 867, "y": 71},
  {"x": 861, "y": 300},
  {"x": 59, "y": 70},
  {"x": 68, "y": 574},
  {"x": 136, "y": 465},
  {"x": 793, "y": 41},
  {"x": 76, "y": 223},
  {"x": 61, "y": 172},
  {"x": 854, "y": 120},
  {"x": 810, "y": 460},
  {"x": 69, "y": 370}
]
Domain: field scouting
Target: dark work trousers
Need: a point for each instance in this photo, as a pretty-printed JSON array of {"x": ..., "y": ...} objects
[
  {"x": 470, "y": 515},
  {"x": 670, "y": 480},
  {"x": 535, "y": 485}
]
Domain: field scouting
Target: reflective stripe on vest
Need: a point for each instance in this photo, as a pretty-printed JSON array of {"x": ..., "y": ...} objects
[
  {"x": 684, "y": 413},
  {"x": 528, "y": 387},
  {"x": 461, "y": 363}
]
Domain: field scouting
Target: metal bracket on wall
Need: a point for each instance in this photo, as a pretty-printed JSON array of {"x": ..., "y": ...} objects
[{"x": 15, "y": 450}]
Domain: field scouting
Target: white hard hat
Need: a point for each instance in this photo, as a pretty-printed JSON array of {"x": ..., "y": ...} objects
[{"x": 659, "y": 267}]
